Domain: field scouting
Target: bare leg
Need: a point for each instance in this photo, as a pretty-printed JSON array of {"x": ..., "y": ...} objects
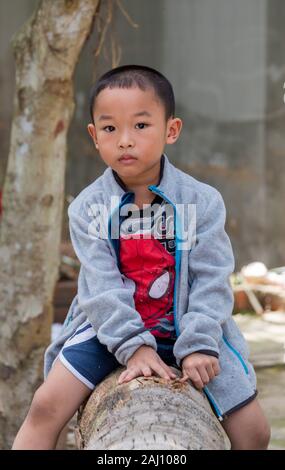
[
  {"x": 248, "y": 428},
  {"x": 62, "y": 438},
  {"x": 53, "y": 405}
]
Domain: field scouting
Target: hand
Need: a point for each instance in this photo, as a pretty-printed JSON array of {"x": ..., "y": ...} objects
[
  {"x": 144, "y": 362},
  {"x": 200, "y": 369}
]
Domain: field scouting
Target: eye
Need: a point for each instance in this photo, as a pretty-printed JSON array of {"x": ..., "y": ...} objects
[
  {"x": 141, "y": 124},
  {"x": 108, "y": 127}
]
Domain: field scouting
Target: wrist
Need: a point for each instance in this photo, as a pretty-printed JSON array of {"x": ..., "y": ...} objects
[{"x": 144, "y": 348}]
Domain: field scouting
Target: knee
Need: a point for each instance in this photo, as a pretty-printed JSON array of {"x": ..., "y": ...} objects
[
  {"x": 262, "y": 437},
  {"x": 43, "y": 406}
]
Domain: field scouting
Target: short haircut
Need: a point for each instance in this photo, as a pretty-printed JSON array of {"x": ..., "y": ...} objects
[{"x": 128, "y": 76}]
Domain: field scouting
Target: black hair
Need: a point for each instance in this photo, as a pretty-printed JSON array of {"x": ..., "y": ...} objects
[{"x": 127, "y": 76}]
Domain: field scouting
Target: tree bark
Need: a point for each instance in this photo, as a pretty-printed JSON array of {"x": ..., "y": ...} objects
[
  {"x": 148, "y": 413},
  {"x": 46, "y": 51}
]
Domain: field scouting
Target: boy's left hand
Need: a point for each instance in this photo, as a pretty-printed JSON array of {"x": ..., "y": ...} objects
[{"x": 200, "y": 369}]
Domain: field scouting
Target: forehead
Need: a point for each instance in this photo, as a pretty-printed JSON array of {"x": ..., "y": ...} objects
[{"x": 127, "y": 101}]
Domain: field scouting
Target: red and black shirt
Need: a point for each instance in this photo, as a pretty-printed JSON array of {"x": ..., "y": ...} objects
[{"x": 147, "y": 256}]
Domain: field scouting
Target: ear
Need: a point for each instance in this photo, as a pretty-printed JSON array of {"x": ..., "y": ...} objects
[
  {"x": 92, "y": 131},
  {"x": 174, "y": 127}
]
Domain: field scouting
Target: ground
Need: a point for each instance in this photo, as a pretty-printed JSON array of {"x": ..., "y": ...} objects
[{"x": 266, "y": 337}]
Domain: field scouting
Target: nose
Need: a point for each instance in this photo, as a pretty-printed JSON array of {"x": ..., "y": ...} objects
[{"x": 125, "y": 140}]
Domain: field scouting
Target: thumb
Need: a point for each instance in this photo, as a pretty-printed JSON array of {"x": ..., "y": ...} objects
[
  {"x": 122, "y": 376},
  {"x": 184, "y": 377}
]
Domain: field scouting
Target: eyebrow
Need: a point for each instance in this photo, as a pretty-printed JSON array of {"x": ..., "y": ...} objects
[{"x": 105, "y": 117}]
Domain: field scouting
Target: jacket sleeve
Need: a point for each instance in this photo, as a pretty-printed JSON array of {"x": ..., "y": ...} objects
[
  {"x": 104, "y": 293},
  {"x": 210, "y": 304}
]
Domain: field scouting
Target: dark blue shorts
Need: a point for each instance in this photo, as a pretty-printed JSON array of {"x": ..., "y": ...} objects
[{"x": 90, "y": 361}]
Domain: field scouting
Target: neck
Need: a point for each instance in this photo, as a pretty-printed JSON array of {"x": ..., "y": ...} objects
[
  {"x": 142, "y": 194},
  {"x": 140, "y": 185}
]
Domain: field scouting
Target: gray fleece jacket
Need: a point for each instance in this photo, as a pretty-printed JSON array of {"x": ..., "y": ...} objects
[{"x": 203, "y": 297}]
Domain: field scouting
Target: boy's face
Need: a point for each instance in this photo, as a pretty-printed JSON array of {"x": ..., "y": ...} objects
[{"x": 129, "y": 121}]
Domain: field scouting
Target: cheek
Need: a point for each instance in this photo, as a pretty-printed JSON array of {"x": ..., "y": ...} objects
[
  {"x": 105, "y": 140},
  {"x": 151, "y": 137}
]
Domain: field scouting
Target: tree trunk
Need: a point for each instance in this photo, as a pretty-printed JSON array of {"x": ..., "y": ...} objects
[
  {"x": 148, "y": 413},
  {"x": 46, "y": 51}
]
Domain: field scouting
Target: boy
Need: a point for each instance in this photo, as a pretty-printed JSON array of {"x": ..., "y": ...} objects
[{"x": 145, "y": 299}]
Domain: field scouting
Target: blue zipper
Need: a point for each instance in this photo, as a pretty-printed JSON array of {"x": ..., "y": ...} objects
[
  {"x": 177, "y": 254},
  {"x": 240, "y": 358},
  {"x": 211, "y": 399}
]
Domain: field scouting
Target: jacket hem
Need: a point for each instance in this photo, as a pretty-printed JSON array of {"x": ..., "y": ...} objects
[
  {"x": 240, "y": 405},
  {"x": 126, "y": 338},
  {"x": 209, "y": 352}
]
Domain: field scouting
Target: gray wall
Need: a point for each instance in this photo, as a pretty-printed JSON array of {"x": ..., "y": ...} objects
[
  {"x": 225, "y": 60},
  {"x": 274, "y": 136}
]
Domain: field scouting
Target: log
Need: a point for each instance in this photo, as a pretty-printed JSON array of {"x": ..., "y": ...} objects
[{"x": 148, "y": 413}]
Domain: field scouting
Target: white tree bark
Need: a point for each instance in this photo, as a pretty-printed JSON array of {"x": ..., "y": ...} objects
[
  {"x": 148, "y": 413},
  {"x": 46, "y": 51}
]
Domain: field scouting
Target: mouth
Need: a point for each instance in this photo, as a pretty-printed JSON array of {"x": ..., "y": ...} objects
[{"x": 127, "y": 158}]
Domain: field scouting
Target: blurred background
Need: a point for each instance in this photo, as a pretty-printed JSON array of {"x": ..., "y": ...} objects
[
  {"x": 225, "y": 60},
  {"x": 226, "y": 63}
]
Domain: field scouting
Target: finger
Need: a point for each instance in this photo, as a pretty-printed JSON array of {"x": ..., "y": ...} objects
[
  {"x": 216, "y": 368},
  {"x": 160, "y": 371},
  {"x": 147, "y": 371},
  {"x": 210, "y": 371},
  {"x": 186, "y": 375},
  {"x": 172, "y": 374},
  {"x": 198, "y": 382},
  {"x": 122, "y": 376},
  {"x": 203, "y": 375},
  {"x": 168, "y": 369},
  {"x": 124, "y": 379},
  {"x": 184, "y": 378},
  {"x": 130, "y": 374},
  {"x": 195, "y": 378}
]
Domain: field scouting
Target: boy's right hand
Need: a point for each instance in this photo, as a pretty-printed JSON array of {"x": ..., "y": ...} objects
[{"x": 145, "y": 361}]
